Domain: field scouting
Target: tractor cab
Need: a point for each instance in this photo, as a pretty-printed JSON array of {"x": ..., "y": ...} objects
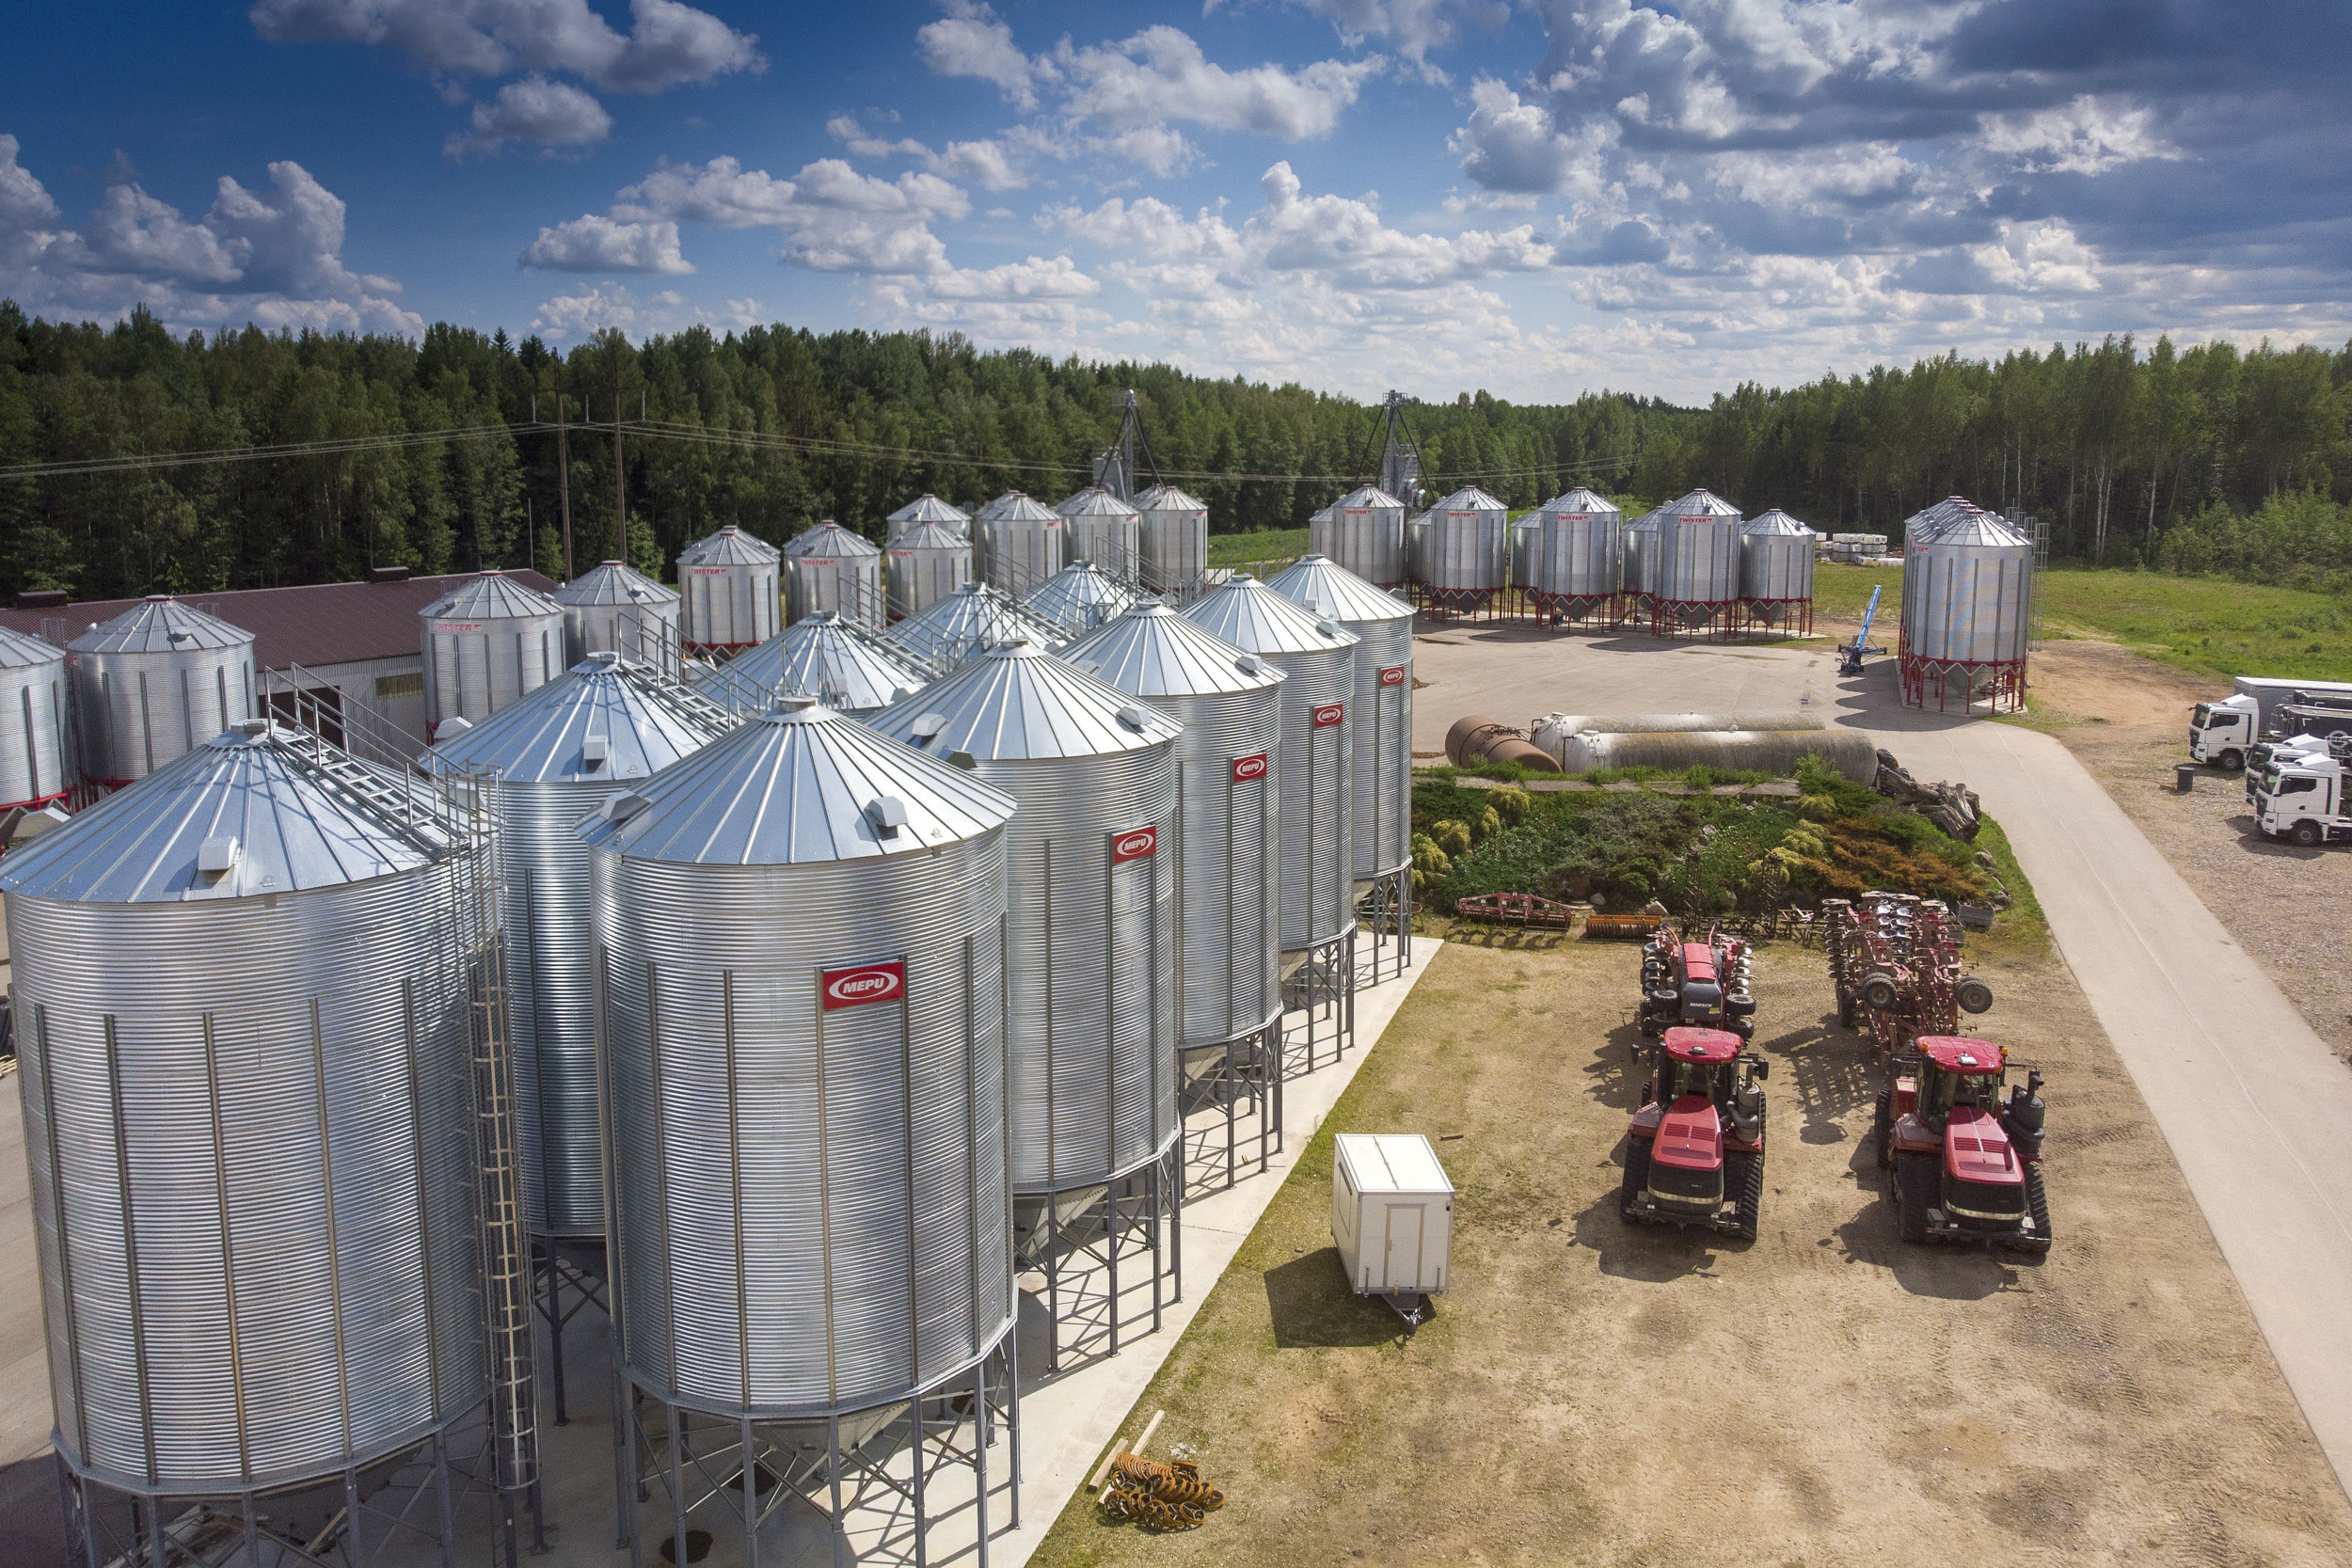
[
  {"x": 1965, "y": 1145},
  {"x": 1695, "y": 1154}
]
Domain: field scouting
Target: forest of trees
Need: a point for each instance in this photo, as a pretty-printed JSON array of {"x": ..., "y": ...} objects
[{"x": 441, "y": 454}]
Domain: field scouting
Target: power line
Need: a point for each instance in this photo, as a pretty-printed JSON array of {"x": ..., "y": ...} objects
[{"x": 252, "y": 454}]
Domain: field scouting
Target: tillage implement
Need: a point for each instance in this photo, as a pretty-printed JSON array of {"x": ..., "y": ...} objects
[
  {"x": 1702, "y": 984},
  {"x": 1896, "y": 961}
]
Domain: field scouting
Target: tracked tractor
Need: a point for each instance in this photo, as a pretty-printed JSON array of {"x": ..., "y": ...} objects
[
  {"x": 1896, "y": 961},
  {"x": 1702, "y": 984},
  {"x": 1964, "y": 1144},
  {"x": 1695, "y": 1154}
]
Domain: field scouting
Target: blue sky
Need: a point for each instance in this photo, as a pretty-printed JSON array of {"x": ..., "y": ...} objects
[{"x": 1536, "y": 197}]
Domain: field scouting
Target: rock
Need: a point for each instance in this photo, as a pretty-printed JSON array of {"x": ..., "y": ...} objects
[
  {"x": 1654, "y": 907},
  {"x": 1600, "y": 900}
]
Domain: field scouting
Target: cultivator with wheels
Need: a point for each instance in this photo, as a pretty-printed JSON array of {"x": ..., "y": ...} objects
[
  {"x": 1896, "y": 961},
  {"x": 1705, "y": 983},
  {"x": 1964, "y": 1145}
]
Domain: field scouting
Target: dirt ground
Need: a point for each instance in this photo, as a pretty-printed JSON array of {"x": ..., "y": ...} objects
[
  {"x": 2127, "y": 718},
  {"x": 1590, "y": 1393}
]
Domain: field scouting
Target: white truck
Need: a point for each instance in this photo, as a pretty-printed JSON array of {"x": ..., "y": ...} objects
[
  {"x": 2265, "y": 752},
  {"x": 2223, "y": 733},
  {"x": 2226, "y": 732},
  {"x": 2301, "y": 797},
  {"x": 2271, "y": 693}
]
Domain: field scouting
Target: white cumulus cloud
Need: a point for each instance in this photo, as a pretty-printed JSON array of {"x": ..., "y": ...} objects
[
  {"x": 593, "y": 242},
  {"x": 667, "y": 44},
  {"x": 554, "y": 115}
]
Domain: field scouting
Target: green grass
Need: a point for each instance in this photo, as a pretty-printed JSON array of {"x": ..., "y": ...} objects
[
  {"x": 1241, "y": 549},
  {"x": 2207, "y": 625}
]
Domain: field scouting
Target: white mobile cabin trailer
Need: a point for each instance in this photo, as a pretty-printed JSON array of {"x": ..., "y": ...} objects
[{"x": 1392, "y": 1216}]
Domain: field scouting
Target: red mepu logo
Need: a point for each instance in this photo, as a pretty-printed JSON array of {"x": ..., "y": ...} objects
[
  {"x": 1392, "y": 676},
  {"x": 1330, "y": 714},
  {"x": 1135, "y": 845},
  {"x": 854, "y": 987},
  {"x": 1250, "y": 769}
]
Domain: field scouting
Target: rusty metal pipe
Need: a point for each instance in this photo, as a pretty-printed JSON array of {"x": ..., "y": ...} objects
[{"x": 1475, "y": 740}]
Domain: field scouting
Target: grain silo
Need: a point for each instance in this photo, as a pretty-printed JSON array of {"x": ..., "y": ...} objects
[
  {"x": 1467, "y": 551},
  {"x": 1227, "y": 851},
  {"x": 1694, "y": 579},
  {"x": 595, "y": 733},
  {"x": 929, "y": 509},
  {"x": 615, "y": 608},
  {"x": 1364, "y": 532},
  {"x": 1527, "y": 531},
  {"x": 1080, "y": 597},
  {"x": 927, "y": 562},
  {"x": 730, "y": 584},
  {"x": 830, "y": 569},
  {"x": 1089, "y": 955},
  {"x": 802, "y": 1008},
  {"x": 1382, "y": 722},
  {"x": 33, "y": 748},
  {"x": 1640, "y": 559},
  {"x": 252, "y": 1099},
  {"x": 1776, "y": 555},
  {"x": 837, "y": 661},
  {"x": 1967, "y": 613},
  {"x": 154, "y": 682},
  {"x": 1098, "y": 527},
  {"x": 1172, "y": 533},
  {"x": 1016, "y": 544},
  {"x": 1317, "y": 657},
  {"x": 1416, "y": 549},
  {"x": 1580, "y": 559},
  {"x": 487, "y": 642},
  {"x": 973, "y": 618}
]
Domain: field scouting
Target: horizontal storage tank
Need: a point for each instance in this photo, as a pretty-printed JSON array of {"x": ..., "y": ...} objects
[
  {"x": 1553, "y": 728},
  {"x": 973, "y": 618},
  {"x": 241, "y": 1030},
  {"x": 1968, "y": 594},
  {"x": 615, "y": 608},
  {"x": 1098, "y": 527},
  {"x": 1016, "y": 544},
  {"x": 1776, "y": 556},
  {"x": 843, "y": 665},
  {"x": 158, "y": 681},
  {"x": 1317, "y": 658},
  {"x": 487, "y": 642},
  {"x": 1172, "y": 534},
  {"x": 1364, "y": 532},
  {"x": 1773, "y": 751},
  {"x": 1580, "y": 551},
  {"x": 1229, "y": 830},
  {"x": 927, "y": 563},
  {"x": 1696, "y": 574},
  {"x": 33, "y": 748},
  {"x": 830, "y": 569},
  {"x": 1383, "y": 713},
  {"x": 1090, "y": 942},
  {"x": 803, "y": 1021},
  {"x": 928, "y": 507},
  {"x": 1469, "y": 548},
  {"x": 732, "y": 586},
  {"x": 1080, "y": 597},
  {"x": 593, "y": 733}
]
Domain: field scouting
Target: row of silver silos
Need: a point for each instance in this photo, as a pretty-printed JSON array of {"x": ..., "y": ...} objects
[{"x": 870, "y": 990}]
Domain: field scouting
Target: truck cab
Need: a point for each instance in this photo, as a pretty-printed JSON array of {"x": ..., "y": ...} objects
[
  {"x": 2223, "y": 733},
  {"x": 2300, "y": 797},
  {"x": 2258, "y": 761}
]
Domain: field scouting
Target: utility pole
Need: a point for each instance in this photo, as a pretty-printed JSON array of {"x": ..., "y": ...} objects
[
  {"x": 620, "y": 485},
  {"x": 564, "y": 476}
]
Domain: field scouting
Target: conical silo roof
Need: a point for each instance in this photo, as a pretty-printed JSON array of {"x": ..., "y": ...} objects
[
  {"x": 820, "y": 655},
  {"x": 1701, "y": 503},
  {"x": 801, "y": 784},
  {"x": 1095, "y": 501},
  {"x": 1923, "y": 526},
  {"x": 1151, "y": 651},
  {"x": 1774, "y": 522},
  {"x": 830, "y": 538},
  {"x": 599, "y": 720},
  {"x": 1167, "y": 497},
  {"x": 1979, "y": 528},
  {"x": 1322, "y": 517},
  {"x": 1253, "y": 617},
  {"x": 19, "y": 651},
  {"x": 1019, "y": 702},
  {"x": 928, "y": 507},
  {"x": 1581, "y": 502},
  {"x": 1328, "y": 588},
  {"x": 613, "y": 582},
  {"x": 1470, "y": 498},
  {"x": 932, "y": 536},
  {"x": 1015, "y": 507},
  {"x": 250, "y": 802},
  {"x": 161, "y": 624},
  {"x": 490, "y": 596},
  {"x": 1081, "y": 596},
  {"x": 1368, "y": 496},
  {"x": 729, "y": 546},
  {"x": 960, "y": 624}
]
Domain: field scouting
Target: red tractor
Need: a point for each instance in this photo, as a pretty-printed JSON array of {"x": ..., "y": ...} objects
[
  {"x": 1695, "y": 1154},
  {"x": 1700, "y": 984},
  {"x": 1896, "y": 961},
  {"x": 1964, "y": 1145}
]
